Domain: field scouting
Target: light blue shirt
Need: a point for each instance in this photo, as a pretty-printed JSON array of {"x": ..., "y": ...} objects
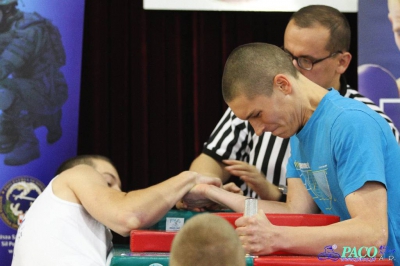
[{"x": 344, "y": 145}]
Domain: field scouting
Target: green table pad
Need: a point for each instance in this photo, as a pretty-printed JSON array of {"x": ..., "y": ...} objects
[{"x": 124, "y": 257}]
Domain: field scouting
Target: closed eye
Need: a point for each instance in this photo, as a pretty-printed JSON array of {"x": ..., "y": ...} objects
[{"x": 257, "y": 115}]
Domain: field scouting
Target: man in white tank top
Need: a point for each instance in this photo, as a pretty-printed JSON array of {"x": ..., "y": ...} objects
[{"x": 70, "y": 222}]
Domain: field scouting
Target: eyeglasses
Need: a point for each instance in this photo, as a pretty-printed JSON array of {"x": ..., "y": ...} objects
[{"x": 306, "y": 63}]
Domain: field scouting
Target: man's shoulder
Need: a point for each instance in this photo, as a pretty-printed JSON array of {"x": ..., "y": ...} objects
[
  {"x": 64, "y": 184},
  {"x": 354, "y": 94}
]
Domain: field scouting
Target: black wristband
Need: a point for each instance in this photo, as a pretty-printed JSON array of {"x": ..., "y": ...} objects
[
  {"x": 283, "y": 190},
  {"x": 282, "y": 198}
]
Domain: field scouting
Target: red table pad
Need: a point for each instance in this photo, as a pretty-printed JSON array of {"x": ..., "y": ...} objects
[
  {"x": 287, "y": 219},
  {"x": 151, "y": 240},
  {"x": 161, "y": 241}
]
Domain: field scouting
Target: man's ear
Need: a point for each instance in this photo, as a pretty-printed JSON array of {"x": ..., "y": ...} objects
[
  {"x": 282, "y": 83},
  {"x": 344, "y": 62}
]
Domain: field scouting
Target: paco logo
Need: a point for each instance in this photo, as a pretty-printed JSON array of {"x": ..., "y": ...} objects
[
  {"x": 366, "y": 253},
  {"x": 349, "y": 252},
  {"x": 363, "y": 253}
]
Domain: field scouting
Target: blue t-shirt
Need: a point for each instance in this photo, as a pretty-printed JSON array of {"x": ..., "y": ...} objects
[{"x": 342, "y": 146}]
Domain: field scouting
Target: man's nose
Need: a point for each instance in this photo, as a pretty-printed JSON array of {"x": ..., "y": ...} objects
[{"x": 258, "y": 128}]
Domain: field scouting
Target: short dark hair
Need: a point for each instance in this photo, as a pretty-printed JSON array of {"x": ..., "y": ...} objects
[
  {"x": 329, "y": 17},
  {"x": 251, "y": 68},
  {"x": 81, "y": 159}
]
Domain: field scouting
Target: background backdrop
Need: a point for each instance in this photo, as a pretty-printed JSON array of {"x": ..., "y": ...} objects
[
  {"x": 150, "y": 90},
  {"x": 377, "y": 46},
  {"x": 20, "y": 184}
]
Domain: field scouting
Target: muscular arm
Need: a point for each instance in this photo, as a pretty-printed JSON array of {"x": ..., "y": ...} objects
[
  {"x": 298, "y": 199},
  {"x": 206, "y": 165},
  {"x": 122, "y": 212},
  {"x": 367, "y": 227}
]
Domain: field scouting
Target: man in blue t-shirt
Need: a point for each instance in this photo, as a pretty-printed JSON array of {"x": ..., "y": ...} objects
[{"x": 344, "y": 161}]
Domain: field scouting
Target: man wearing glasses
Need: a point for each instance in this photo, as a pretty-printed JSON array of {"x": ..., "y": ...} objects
[
  {"x": 318, "y": 39},
  {"x": 307, "y": 63}
]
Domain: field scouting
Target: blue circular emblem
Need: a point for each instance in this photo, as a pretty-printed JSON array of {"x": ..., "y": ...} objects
[{"x": 16, "y": 197}]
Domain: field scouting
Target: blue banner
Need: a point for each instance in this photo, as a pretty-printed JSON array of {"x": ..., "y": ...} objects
[{"x": 40, "y": 69}]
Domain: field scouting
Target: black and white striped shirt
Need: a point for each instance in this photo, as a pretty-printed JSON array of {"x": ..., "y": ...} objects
[{"x": 235, "y": 139}]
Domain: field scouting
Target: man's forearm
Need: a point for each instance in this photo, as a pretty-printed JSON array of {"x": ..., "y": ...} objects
[
  {"x": 141, "y": 208},
  {"x": 312, "y": 240},
  {"x": 236, "y": 202},
  {"x": 269, "y": 192},
  {"x": 206, "y": 165}
]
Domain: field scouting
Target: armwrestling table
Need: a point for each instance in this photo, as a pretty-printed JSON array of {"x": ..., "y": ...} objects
[{"x": 151, "y": 246}]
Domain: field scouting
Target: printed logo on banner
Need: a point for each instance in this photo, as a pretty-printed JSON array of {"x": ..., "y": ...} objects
[
  {"x": 366, "y": 254},
  {"x": 16, "y": 197},
  {"x": 329, "y": 253},
  {"x": 174, "y": 224}
]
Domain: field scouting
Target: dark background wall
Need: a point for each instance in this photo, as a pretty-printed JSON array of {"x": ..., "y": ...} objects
[{"x": 150, "y": 91}]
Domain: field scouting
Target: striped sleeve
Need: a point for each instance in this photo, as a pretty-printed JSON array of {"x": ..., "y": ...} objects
[
  {"x": 229, "y": 139},
  {"x": 235, "y": 139}
]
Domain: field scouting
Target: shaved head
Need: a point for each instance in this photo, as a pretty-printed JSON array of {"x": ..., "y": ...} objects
[{"x": 251, "y": 68}]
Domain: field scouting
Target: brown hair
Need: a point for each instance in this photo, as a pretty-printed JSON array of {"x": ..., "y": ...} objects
[
  {"x": 329, "y": 17},
  {"x": 251, "y": 68},
  {"x": 207, "y": 240}
]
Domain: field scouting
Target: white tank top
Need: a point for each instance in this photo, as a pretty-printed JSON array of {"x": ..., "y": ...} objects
[{"x": 58, "y": 232}]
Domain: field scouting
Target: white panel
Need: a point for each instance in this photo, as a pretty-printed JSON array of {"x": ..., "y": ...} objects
[{"x": 247, "y": 5}]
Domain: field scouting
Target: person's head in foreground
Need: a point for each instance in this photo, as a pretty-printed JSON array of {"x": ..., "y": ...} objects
[{"x": 207, "y": 239}]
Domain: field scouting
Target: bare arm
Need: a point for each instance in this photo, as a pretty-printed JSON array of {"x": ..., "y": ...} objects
[
  {"x": 206, "y": 165},
  {"x": 254, "y": 179},
  {"x": 123, "y": 212},
  {"x": 303, "y": 204},
  {"x": 367, "y": 227}
]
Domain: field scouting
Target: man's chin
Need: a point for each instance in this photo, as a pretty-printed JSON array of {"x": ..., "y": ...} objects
[{"x": 283, "y": 135}]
